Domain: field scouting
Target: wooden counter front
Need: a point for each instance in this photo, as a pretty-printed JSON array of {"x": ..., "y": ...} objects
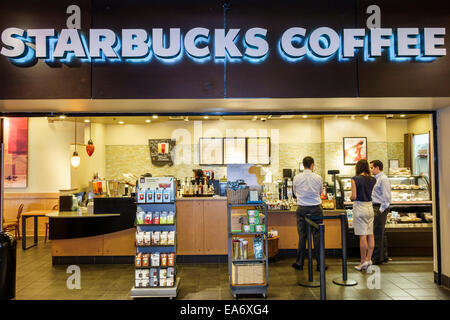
[
  {"x": 286, "y": 224},
  {"x": 202, "y": 226}
]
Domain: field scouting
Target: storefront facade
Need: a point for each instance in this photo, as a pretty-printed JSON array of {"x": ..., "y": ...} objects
[{"x": 233, "y": 58}]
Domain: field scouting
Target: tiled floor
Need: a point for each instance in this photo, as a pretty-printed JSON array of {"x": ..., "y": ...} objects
[{"x": 400, "y": 279}]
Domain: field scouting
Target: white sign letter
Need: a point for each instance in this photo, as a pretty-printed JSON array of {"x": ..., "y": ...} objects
[
  {"x": 189, "y": 42},
  {"x": 257, "y": 46},
  {"x": 431, "y": 42},
  {"x": 74, "y": 281},
  {"x": 404, "y": 41},
  {"x": 377, "y": 42},
  {"x": 41, "y": 36},
  {"x": 224, "y": 42},
  {"x": 102, "y": 39},
  {"x": 134, "y": 43},
  {"x": 286, "y": 42},
  {"x": 18, "y": 47},
  {"x": 69, "y": 40},
  {"x": 333, "y": 41},
  {"x": 159, "y": 44},
  {"x": 350, "y": 41}
]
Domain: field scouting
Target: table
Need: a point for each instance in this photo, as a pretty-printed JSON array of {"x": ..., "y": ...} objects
[{"x": 35, "y": 214}]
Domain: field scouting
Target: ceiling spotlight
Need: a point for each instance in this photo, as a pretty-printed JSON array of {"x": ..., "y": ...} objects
[
  {"x": 305, "y": 116},
  {"x": 402, "y": 115},
  {"x": 62, "y": 116},
  {"x": 352, "y": 117},
  {"x": 87, "y": 120},
  {"x": 222, "y": 118},
  {"x": 186, "y": 119},
  {"x": 121, "y": 122},
  {"x": 366, "y": 117},
  {"x": 148, "y": 120},
  {"x": 205, "y": 117},
  {"x": 255, "y": 118},
  {"x": 155, "y": 116}
]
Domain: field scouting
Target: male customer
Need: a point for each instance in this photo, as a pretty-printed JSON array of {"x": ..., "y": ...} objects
[
  {"x": 381, "y": 199},
  {"x": 307, "y": 189}
]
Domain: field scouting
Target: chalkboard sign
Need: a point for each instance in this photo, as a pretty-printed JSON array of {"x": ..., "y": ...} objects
[{"x": 161, "y": 151}]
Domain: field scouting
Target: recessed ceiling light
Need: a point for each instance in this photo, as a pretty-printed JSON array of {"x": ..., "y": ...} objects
[
  {"x": 87, "y": 120},
  {"x": 366, "y": 117},
  {"x": 155, "y": 116},
  {"x": 148, "y": 120},
  {"x": 305, "y": 116},
  {"x": 121, "y": 122},
  {"x": 186, "y": 118},
  {"x": 255, "y": 118},
  {"x": 403, "y": 115},
  {"x": 205, "y": 117},
  {"x": 352, "y": 117},
  {"x": 62, "y": 116}
]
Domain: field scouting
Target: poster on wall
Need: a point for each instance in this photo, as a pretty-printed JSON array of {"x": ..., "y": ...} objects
[
  {"x": 211, "y": 151},
  {"x": 16, "y": 152},
  {"x": 161, "y": 151},
  {"x": 234, "y": 150},
  {"x": 355, "y": 149},
  {"x": 258, "y": 150}
]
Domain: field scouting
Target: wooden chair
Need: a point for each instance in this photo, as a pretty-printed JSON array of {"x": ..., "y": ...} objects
[
  {"x": 9, "y": 225},
  {"x": 47, "y": 224}
]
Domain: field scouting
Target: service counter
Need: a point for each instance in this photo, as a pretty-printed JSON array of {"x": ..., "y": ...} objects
[{"x": 108, "y": 235}]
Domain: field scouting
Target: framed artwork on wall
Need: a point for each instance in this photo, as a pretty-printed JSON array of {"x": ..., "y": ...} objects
[
  {"x": 16, "y": 152},
  {"x": 355, "y": 149}
]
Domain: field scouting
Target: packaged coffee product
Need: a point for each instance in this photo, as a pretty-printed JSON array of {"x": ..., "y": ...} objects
[
  {"x": 163, "y": 259},
  {"x": 155, "y": 259},
  {"x": 258, "y": 247},
  {"x": 171, "y": 217},
  {"x": 260, "y": 228},
  {"x": 137, "y": 283},
  {"x": 147, "y": 238},
  {"x": 139, "y": 238},
  {"x": 145, "y": 259},
  {"x": 148, "y": 218},
  {"x": 246, "y": 228},
  {"x": 153, "y": 273},
  {"x": 252, "y": 228},
  {"x": 156, "y": 237},
  {"x": 140, "y": 217},
  {"x": 145, "y": 283},
  {"x": 171, "y": 238},
  {"x": 158, "y": 195},
  {"x": 170, "y": 272},
  {"x": 163, "y": 240},
  {"x": 163, "y": 218},
  {"x": 253, "y": 212},
  {"x": 141, "y": 195},
  {"x": 171, "y": 259},
  {"x": 150, "y": 195},
  {"x": 145, "y": 273},
  {"x": 138, "y": 260},
  {"x": 156, "y": 218},
  {"x": 236, "y": 249},
  {"x": 169, "y": 281},
  {"x": 162, "y": 273},
  {"x": 154, "y": 282},
  {"x": 139, "y": 274},
  {"x": 244, "y": 249},
  {"x": 253, "y": 220},
  {"x": 166, "y": 195},
  {"x": 162, "y": 282}
]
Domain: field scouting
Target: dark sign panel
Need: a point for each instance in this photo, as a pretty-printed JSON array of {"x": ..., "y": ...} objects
[{"x": 43, "y": 78}]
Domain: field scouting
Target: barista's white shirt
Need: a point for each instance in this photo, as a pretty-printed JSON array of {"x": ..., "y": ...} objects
[{"x": 307, "y": 188}]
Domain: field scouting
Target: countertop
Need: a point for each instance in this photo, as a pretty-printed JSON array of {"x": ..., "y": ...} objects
[
  {"x": 325, "y": 212},
  {"x": 75, "y": 214},
  {"x": 216, "y": 198}
]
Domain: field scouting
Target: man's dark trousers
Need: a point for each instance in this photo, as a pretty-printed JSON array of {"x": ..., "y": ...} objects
[
  {"x": 302, "y": 228},
  {"x": 379, "y": 223}
]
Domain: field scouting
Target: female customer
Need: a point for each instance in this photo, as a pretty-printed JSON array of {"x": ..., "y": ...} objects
[{"x": 362, "y": 186}]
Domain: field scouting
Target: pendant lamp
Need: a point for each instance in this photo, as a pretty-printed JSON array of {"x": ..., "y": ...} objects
[
  {"x": 90, "y": 148},
  {"x": 75, "y": 160}
]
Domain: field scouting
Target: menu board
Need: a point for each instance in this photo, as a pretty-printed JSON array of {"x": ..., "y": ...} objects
[
  {"x": 234, "y": 150},
  {"x": 258, "y": 150},
  {"x": 161, "y": 151},
  {"x": 211, "y": 151}
]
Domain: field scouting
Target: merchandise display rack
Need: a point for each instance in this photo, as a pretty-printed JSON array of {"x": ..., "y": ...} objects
[
  {"x": 157, "y": 291},
  {"x": 248, "y": 288}
]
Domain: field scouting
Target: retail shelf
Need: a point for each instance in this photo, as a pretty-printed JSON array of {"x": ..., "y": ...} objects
[
  {"x": 157, "y": 246},
  {"x": 155, "y": 225},
  {"x": 156, "y": 292},
  {"x": 248, "y": 260},
  {"x": 246, "y": 205},
  {"x": 247, "y": 233}
]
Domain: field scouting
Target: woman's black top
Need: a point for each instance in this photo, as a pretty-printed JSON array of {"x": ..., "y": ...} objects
[{"x": 364, "y": 187}]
